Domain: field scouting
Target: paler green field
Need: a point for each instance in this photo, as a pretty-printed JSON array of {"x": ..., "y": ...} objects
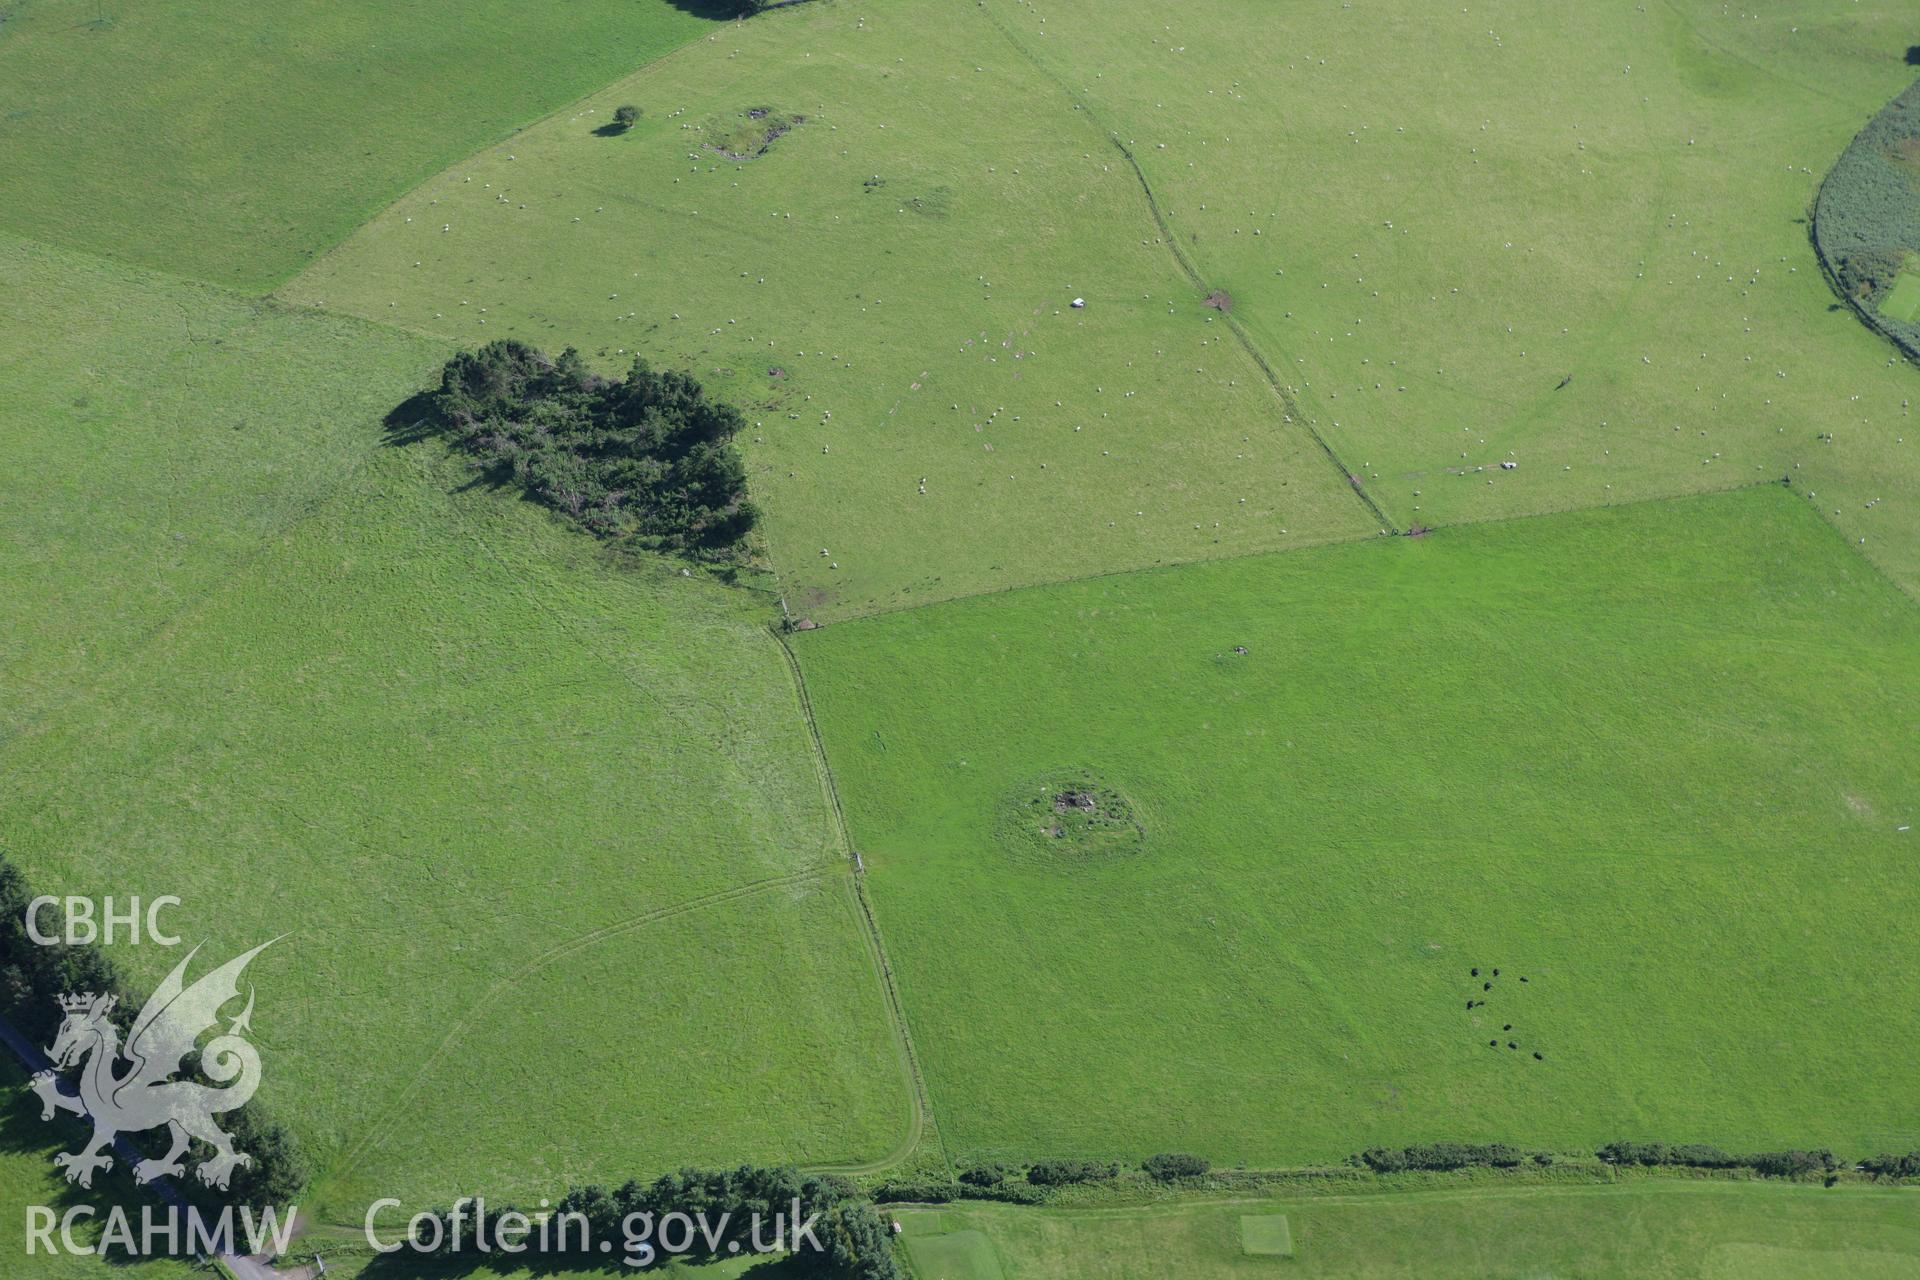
[
  {"x": 1903, "y": 303},
  {"x": 532, "y": 820},
  {"x": 1091, "y": 355},
  {"x": 1468, "y": 236},
  {"x": 888, "y": 289}
]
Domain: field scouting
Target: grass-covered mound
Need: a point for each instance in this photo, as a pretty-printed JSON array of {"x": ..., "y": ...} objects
[
  {"x": 1652, "y": 760},
  {"x": 1069, "y": 816},
  {"x": 1867, "y": 221},
  {"x": 647, "y": 459}
]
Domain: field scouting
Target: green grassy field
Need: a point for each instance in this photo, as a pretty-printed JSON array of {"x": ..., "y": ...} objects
[
  {"x": 962, "y": 1254},
  {"x": 1266, "y": 1235},
  {"x": 161, "y": 432},
  {"x": 546, "y": 830},
  {"x": 1432, "y": 217},
  {"x": 905, "y": 259},
  {"x": 1903, "y": 301},
  {"x": 1196, "y": 857},
  {"x": 234, "y": 142},
  {"x": 1695, "y": 1232},
  {"x": 1651, "y": 758}
]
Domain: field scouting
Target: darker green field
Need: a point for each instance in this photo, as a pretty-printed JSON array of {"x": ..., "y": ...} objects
[
  {"x": 237, "y": 142},
  {"x": 1643, "y": 768}
]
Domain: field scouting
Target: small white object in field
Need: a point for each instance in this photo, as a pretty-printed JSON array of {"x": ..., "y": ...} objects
[
  {"x": 1508, "y": 466},
  {"x": 1079, "y": 302}
]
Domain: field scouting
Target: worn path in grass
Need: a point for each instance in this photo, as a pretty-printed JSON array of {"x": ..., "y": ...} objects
[
  {"x": 1650, "y": 757},
  {"x": 1469, "y": 238},
  {"x": 888, "y": 289},
  {"x": 541, "y": 825}
]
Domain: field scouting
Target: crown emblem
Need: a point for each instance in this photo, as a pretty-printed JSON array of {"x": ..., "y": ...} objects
[{"x": 77, "y": 1003}]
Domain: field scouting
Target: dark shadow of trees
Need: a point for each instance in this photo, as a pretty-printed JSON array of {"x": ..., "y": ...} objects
[
  {"x": 712, "y": 10},
  {"x": 405, "y": 1265},
  {"x": 413, "y": 420}
]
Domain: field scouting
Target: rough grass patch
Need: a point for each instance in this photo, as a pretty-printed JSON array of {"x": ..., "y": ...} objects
[
  {"x": 1072, "y": 815},
  {"x": 1902, "y": 302},
  {"x": 1266, "y": 1235},
  {"x": 956, "y": 1255},
  {"x": 751, "y": 133}
]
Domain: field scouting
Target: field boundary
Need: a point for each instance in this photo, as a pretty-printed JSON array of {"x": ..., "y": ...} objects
[
  {"x": 1867, "y": 318},
  {"x": 1175, "y": 566},
  {"x": 920, "y": 1100},
  {"x": 1290, "y": 410},
  {"x": 1473, "y": 1190}
]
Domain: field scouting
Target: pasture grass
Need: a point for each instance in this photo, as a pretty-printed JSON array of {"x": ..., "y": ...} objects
[
  {"x": 956, "y": 1255},
  {"x": 237, "y": 142},
  {"x": 1648, "y": 761},
  {"x": 1266, "y": 1235},
  {"x": 1695, "y": 1231},
  {"x": 1903, "y": 300},
  {"x": 545, "y": 827},
  {"x": 160, "y": 433},
  {"x": 1469, "y": 236},
  {"x": 887, "y": 290}
]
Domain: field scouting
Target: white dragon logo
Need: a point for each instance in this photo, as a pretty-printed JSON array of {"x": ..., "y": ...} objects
[{"x": 145, "y": 1096}]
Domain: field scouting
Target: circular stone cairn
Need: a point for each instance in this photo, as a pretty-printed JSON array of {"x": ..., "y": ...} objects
[{"x": 1072, "y": 816}]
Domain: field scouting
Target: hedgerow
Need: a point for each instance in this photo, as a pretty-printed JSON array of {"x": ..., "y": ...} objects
[
  {"x": 1447, "y": 1155},
  {"x": 856, "y": 1242},
  {"x": 1060, "y": 1173},
  {"x": 941, "y": 1191},
  {"x": 1772, "y": 1164},
  {"x": 1892, "y": 1166},
  {"x": 1170, "y": 1166}
]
